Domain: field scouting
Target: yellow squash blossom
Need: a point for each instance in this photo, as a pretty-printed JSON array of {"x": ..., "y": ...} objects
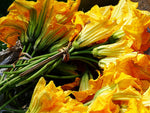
[
  {"x": 126, "y": 94},
  {"x": 97, "y": 29},
  {"x": 87, "y": 95},
  {"x": 103, "y": 104},
  {"x": 122, "y": 80},
  {"x": 66, "y": 10},
  {"x": 123, "y": 11},
  {"x": 51, "y": 99},
  {"x": 111, "y": 52},
  {"x": 137, "y": 31},
  {"x": 45, "y": 22},
  {"x": 135, "y": 23},
  {"x": 146, "y": 98},
  {"x": 85, "y": 92},
  {"x": 145, "y": 84},
  {"x": 11, "y": 27},
  {"x": 105, "y": 62},
  {"x": 98, "y": 14},
  {"x": 80, "y": 18},
  {"x": 136, "y": 106},
  {"x": 132, "y": 64}
]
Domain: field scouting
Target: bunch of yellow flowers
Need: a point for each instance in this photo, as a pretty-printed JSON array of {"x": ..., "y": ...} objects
[{"x": 112, "y": 40}]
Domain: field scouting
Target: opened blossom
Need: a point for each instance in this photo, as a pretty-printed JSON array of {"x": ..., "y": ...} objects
[
  {"x": 52, "y": 99},
  {"x": 132, "y": 64},
  {"x": 137, "y": 31},
  {"x": 136, "y": 106},
  {"x": 97, "y": 26},
  {"x": 103, "y": 103},
  {"x": 41, "y": 22},
  {"x": 135, "y": 23},
  {"x": 109, "y": 53},
  {"x": 113, "y": 50},
  {"x": 146, "y": 98},
  {"x": 11, "y": 27},
  {"x": 117, "y": 36}
]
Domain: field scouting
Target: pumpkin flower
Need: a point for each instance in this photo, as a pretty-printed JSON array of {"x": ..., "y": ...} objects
[
  {"x": 98, "y": 27},
  {"x": 103, "y": 103},
  {"x": 146, "y": 98},
  {"x": 136, "y": 106},
  {"x": 114, "y": 38},
  {"x": 49, "y": 98},
  {"x": 85, "y": 92},
  {"x": 132, "y": 64},
  {"x": 137, "y": 31},
  {"x": 112, "y": 77},
  {"x": 113, "y": 50},
  {"x": 11, "y": 27},
  {"x": 107, "y": 61},
  {"x": 123, "y": 11},
  {"x": 135, "y": 23},
  {"x": 109, "y": 53},
  {"x": 46, "y": 21},
  {"x": 126, "y": 94}
]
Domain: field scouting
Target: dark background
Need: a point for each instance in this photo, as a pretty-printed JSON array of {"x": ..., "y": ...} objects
[{"x": 4, "y": 4}]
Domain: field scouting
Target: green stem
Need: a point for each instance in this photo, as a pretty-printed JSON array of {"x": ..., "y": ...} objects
[
  {"x": 54, "y": 65},
  {"x": 41, "y": 56},
  {"x": 84, "y": 58},
  {"x": 24, "y": 47},
  {"x": 11, "y": 66},
  {"x": 33, "y": 53},
  {"x": 37, "y": 74},
  {"x": 9, "y": 83},
  {"x": 81, "y": 52},
  {"x": 5, "y": 81},
  {"x": 29, "y": 48},
  {"x": 14, "y": 110},
  {"x": 71, "y": 49},
  {"x": 62, "y": 77},
  {"x": 15, "y": 73},
  {"x": 26, "y": 67},
  {"x": 2, "y": 77},
  {"x": 19, "y": 61},
  {"x": 42, "y": 63}
]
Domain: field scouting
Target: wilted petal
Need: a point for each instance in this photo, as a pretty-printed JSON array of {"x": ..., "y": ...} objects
[{"x": 72, "y": 85}]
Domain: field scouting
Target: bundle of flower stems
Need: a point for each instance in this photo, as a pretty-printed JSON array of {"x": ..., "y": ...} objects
[{"x": 99, "y": 57}]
